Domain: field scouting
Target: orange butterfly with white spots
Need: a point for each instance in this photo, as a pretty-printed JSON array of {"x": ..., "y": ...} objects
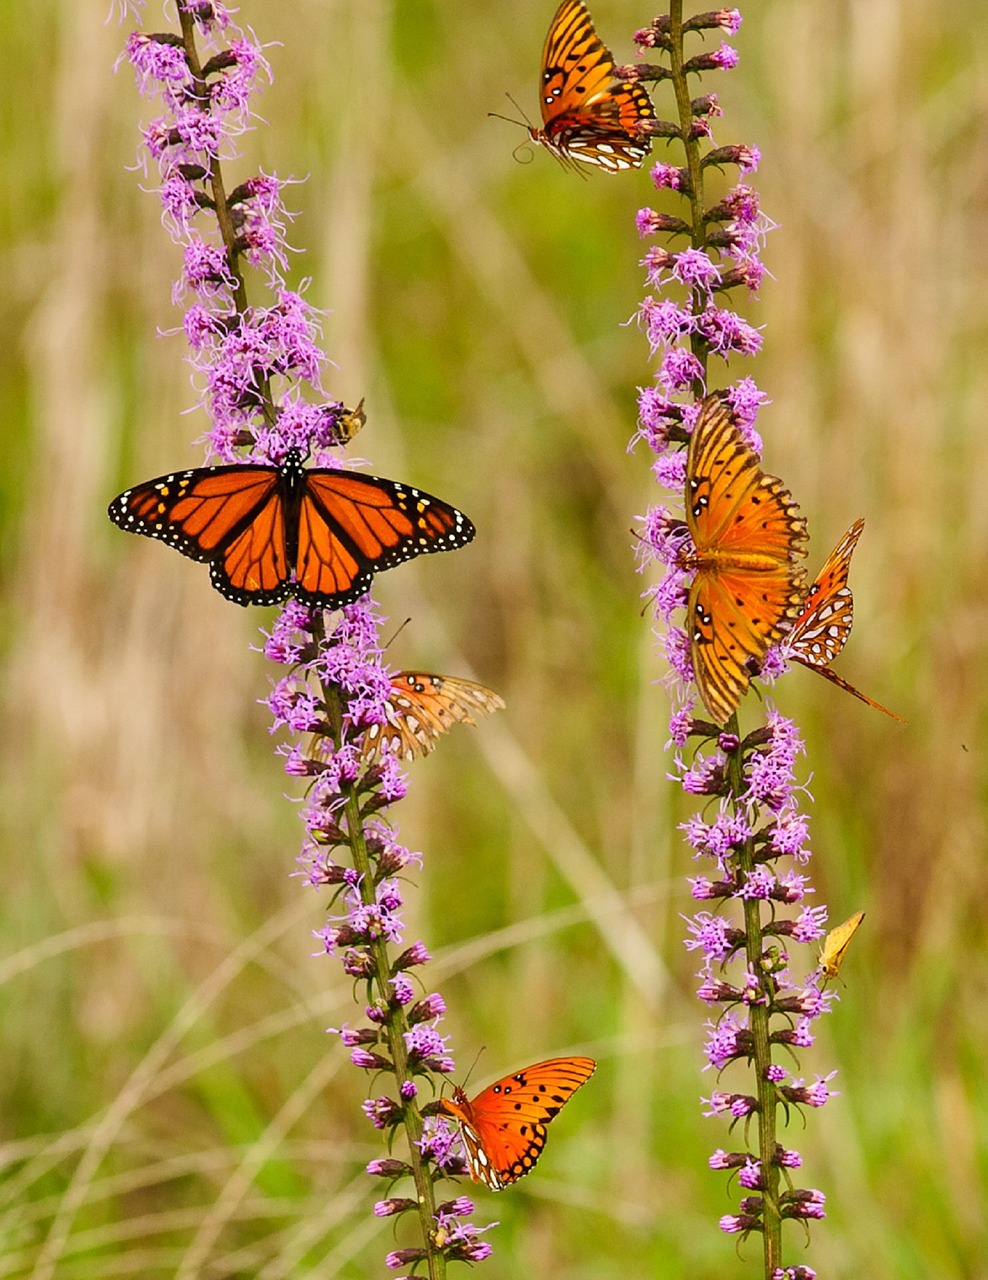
[
  {"x": 747, "y": 588},
  {"x": 504, "y": 1126},
  {"x": 823, "y": 626},
  {"x": 421, "y": 707},
  {"x": 587, "y": 113}
]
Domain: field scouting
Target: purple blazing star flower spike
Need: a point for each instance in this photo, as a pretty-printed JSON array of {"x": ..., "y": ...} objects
[
  {"x": 258, "y": 371},
  {"x": 751, "y": 828}
]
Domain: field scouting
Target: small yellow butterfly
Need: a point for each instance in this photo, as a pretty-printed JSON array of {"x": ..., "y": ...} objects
[{"x": 836, "y": 943}]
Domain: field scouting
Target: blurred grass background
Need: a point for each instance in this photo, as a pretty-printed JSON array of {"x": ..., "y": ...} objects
[{"x": 169, "y": 1103}]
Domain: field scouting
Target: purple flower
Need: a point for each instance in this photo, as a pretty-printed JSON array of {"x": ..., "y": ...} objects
[
  {"x": 413, "y": 955},
  {"x": 440, "y": 1143},
  {"x": 679, "y": 369},
  {"x": 750, "y": 1175},
  {"x": 737, "y": 1105},
  {"x": 725, "y": 57},
  {"x": 668, "y": 177},
  {"x": 734, "y": 1223},
  {"x": 727, "y": 1039},
  {"x": 695, "y": 269},
  {"x": 401, "y": 1257},
  {"x": 404, "y": 989},
  {"x": 382, "y": 1112},
  {"x": 817, "y": 1094},
  {"x": 388, "y": 1168},
  {"x": 804, "y": 1204},
  {"x": 715, "y": 935},
  {"x": 431, "y": 1007},
  {"x": 461, "y": 1207},
  {"x": 391, "y": 1207}
]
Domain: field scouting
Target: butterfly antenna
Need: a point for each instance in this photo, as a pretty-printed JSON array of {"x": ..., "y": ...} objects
[
  {"x": 389, "y": 643},
  {"x": 466, "y": 1080},
  {"x": 524, "y": 121},
  {"x": 495, "y": 115}
]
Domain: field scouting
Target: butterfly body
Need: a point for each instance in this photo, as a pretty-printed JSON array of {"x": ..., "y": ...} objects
[
  {"x": 270, "y": 532},
  {"x": 504, "y": 1126},
  {"x": 836, "y": 943},
  {"x": 422, "y": 706},
  {"x": 827, "y": 614},
  {"x": 587, "y": 113},
  {"x": 746, "y": 537}
]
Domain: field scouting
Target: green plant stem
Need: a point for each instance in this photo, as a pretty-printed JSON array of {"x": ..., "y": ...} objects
[
  {"x": 691, "y": 147},
  {"x": 397, "y": 1023},
  {"x": 758, "y": 1022}
]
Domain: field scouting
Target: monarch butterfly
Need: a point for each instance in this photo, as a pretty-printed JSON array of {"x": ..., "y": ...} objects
[
  {"x": 823, "y": 626},
  {"x": 504, "y": 1126},
  {"x": 836, "y": 943},
  {"x": 747, "y": 588},
  {"x": 272, "y": 532},
  {"x": 420, "y": 708},
  {"x": 587, "y": 114}
]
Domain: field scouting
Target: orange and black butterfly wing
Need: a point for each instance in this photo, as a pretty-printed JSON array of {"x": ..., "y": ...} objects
[
  {"x": 746, "y": 536},
  {"x": 823, "y": 626},
  {"x": 732, "y": 622},
  {"x": 504, "y": 1127},
  {"x": 587, "y": 114},
  {"x": 423, "y": 706},
  {"x": 352, "y": 526},
  {"x": 733, "y": 507},
  {"x": 233, "y": 517}
]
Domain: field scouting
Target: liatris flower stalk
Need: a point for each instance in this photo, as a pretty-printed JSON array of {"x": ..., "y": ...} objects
[
  {"x": 253, "y": 363},
  {"x": 754, "y": 843}
]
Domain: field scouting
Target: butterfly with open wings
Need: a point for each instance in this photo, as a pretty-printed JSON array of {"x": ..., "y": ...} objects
[
  {"x": 824, "y": 624},
  {"x": 420, "y": 708},
  {"x": 587, "y": 113},
  {"x": 747, "y": 587},
  {"x": 504, "y": 1126},
  {"x": 270, "y": 532}
]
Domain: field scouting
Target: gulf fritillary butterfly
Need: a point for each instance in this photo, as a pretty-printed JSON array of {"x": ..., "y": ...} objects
[
  {"x": 823, "y": 626},
  {"x": 587, "y": 114},
  {"x": 504, "y": 1126},
  {"x": 423, "y": 706},
  {"x": 746, "y": 536},
  {"x": 836, "y": 943},
  {"x": 271, "y": 532}
]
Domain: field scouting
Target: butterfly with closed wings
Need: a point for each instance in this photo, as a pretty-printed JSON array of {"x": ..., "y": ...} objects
[
  {"x": 504, "y": 1126},
  {"x": 747, "y": 588},
  {"x": 421, "y": 707},
  {"x": 270, "y": 532},
  {"x": 836, "y": 943},
  {"x": 588, "y": 114},
  {"x": 822, "y": 628}
]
